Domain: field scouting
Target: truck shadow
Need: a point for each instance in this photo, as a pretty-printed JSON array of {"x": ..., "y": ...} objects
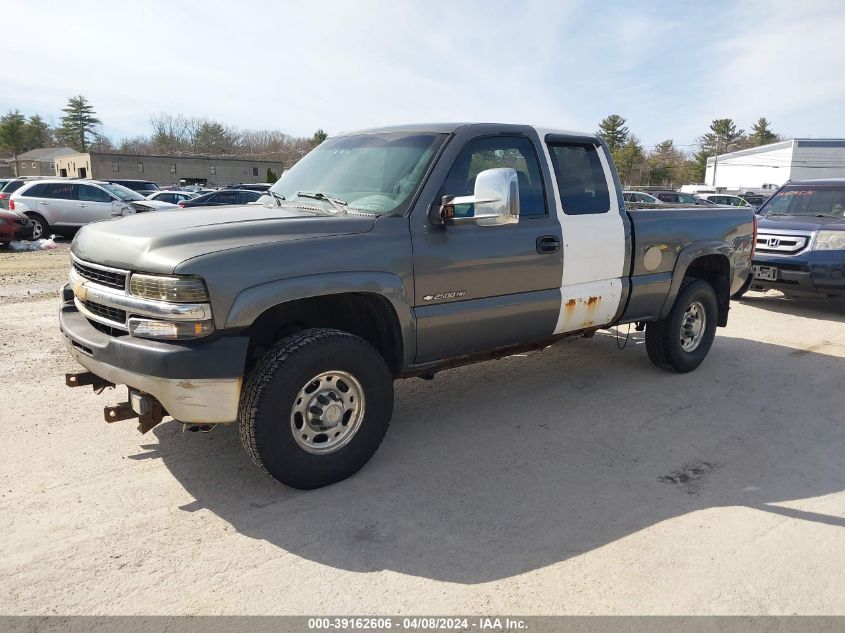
[
  {"x": 828, "y": 310},
  {"x": 513, "y": 465}
]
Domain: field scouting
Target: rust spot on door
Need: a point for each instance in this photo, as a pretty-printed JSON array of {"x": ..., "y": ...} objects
[
  {"x": 593, "y": 301},
  {"x": 570, "y": 305}
]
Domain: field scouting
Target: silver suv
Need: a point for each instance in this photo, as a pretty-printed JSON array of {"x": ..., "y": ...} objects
[{"x": 69, "y": 204}]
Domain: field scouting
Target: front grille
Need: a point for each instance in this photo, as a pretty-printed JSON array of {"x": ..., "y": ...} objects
[
  {"x": 107, "y": 329},
  {"x": 783, "y": 244},
  {"x": 110, "y": 278},
  {"x": 107, "y": 312}
]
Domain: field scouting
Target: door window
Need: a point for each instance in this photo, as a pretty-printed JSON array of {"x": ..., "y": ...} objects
[
  {"x": 63, "y": 191},
  {"x": 87, "y": 193},
  {"x": 581, "y": 180},
  {"x": 249, "y": 196},
  {"x": 41, "y": 190},
  {"x": 227, "y": 197},
  {"x": 499, "y": 151}
]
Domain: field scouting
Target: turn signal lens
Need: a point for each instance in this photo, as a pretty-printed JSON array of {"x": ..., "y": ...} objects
[{"x": 171, "y": 330}]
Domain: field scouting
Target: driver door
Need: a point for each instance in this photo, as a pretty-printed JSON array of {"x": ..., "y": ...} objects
[{"x": 478, "y": 288}]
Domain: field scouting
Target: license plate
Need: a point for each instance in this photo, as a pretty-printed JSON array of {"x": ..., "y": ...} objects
[{"x": 765, "y": 273}]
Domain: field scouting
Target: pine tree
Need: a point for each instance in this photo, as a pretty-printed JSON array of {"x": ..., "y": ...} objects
[
  {"x": 271, "y": 176},
  {"x": 761, "y": 133},
  {"x": 80, "y": 120},
  {"x": 13, "y": 133},
  {"x": 722, "y": 138},
  {"x": 612, "y": 129},
  {"x": 38, "y": 133},
  {"x": 319, "y": 136}
]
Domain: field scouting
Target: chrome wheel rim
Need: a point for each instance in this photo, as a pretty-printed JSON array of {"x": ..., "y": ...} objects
[
  {"x": 327, "y": 412},
  {"x": 692, "y": 326},
  {"x": 37, "y": 230}
]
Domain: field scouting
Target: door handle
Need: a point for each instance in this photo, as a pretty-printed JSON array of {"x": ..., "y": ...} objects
[
  {"x": 548, "y": 244},
  {"x": 43, "y": 202},
  {"x": 81, "y": 205}
]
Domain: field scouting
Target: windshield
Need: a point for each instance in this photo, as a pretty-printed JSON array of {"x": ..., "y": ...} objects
[
  {"x": 685, "y": 198},
  {"x": 122, "y": 193},
  {"x": 372, "y": 173},
  {"x": 809, "y": 200}
]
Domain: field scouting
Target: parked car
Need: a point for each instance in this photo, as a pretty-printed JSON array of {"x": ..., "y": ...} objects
[
  {"x": 724, "y": 199},
  {"x": 224, "y": 196},
  {"x": 173, "y": 197},
  {"x": 14, "y": 226},
  {"x": 756, "y": 200},
  {"x": 251, "y": 186},
  {"x": 697, "y": 189},
  {"x": 801, "y": 241},
  {"x": 62, "y": 205},
  {"x": 392, "y": 253},
  {"x": 144, "y": 187},
  {"x": 640, "y": 198},
  {"x": 677, "y": 197},
  {"x": 13, "y": 185}
]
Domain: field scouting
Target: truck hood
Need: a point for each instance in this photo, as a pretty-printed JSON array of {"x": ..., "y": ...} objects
[
  {"x": 159, "y": 242},
  {"x": 800, "y": 223}
]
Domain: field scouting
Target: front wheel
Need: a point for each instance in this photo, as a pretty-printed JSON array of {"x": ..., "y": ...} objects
[
  {"x": 316, "y": 407},
  {"x": 680, "y": 342}
]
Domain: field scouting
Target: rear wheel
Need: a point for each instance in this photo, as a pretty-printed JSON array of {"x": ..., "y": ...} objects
[
  {"x": 316, "y": 407},
  {"x": 681, "y": 341},
  {"x": 40, "y": 226}
]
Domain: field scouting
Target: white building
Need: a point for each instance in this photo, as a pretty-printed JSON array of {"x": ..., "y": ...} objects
[{"x": 775, "y": 164}]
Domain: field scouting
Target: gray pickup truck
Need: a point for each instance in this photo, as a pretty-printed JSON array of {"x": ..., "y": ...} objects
[{"x": 386, "y": 254}]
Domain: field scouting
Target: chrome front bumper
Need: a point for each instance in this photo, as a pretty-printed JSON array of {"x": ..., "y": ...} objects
[{"x": 200, "y": 401}]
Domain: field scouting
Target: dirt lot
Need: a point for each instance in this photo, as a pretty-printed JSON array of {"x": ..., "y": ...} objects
[{"x": 575, "y": 480}]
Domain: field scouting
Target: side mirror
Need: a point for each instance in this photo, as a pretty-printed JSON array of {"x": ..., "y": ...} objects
[{"x": 495, "y": 196}]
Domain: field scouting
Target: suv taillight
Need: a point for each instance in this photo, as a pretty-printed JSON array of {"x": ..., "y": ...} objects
[
  {"x": 11, "y": 205},
  {"x": 181, "y": 205}
]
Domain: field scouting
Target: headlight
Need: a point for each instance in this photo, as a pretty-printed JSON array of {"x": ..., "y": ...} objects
[
  {"x": 173, "y": 289},
  {"x": 830, "y": 241},
  {"x": 153, "y": 328}
]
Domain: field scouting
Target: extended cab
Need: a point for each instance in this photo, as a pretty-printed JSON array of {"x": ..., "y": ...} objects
[{"x": 386, "y": 254}]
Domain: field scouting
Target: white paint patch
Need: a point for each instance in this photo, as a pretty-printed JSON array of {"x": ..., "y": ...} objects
[
  {"x": 590, "y": 304},
  {"x": 593, "y": 257}
]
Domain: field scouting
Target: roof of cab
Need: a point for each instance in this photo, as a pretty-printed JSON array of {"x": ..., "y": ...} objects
[{"x": 450, "y": 128}]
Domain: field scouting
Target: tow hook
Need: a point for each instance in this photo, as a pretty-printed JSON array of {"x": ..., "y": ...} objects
[
  {"x": 143, "y": 406},
  {"x": 87, "y": 378}
]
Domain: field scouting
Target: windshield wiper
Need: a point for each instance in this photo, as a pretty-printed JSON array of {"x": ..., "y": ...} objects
[
  {"x": 279, "y": 198},
  {"x": 337, "y": 203}
]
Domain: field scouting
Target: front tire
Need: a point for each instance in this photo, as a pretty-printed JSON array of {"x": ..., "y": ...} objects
[
  {"x": 681, "y": 341},
  {"x": 316, "y": 407}
]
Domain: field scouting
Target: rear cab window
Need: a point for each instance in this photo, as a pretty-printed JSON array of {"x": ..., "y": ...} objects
[{"x": 581, "y": 180}]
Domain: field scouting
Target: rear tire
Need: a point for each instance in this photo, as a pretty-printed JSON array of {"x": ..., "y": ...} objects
[
  {"x": 316, "y": 407},
  {"x": 681, "y": 341},
  {"x": 40, "y": 228}
]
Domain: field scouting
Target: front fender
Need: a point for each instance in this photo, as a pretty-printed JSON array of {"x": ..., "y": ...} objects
[
  {"x": 253, "y": 301},
  {"x": 688, "y": 255}
]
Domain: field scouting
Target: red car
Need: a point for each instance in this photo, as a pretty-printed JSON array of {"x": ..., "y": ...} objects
[{"x": 14, "y": 227}]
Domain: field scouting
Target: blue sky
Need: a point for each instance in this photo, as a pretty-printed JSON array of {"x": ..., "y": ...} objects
[{"x": 668, "y": 67}]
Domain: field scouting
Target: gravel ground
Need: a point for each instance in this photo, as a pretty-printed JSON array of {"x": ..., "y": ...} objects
[{"x": 576, "y": 480}]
